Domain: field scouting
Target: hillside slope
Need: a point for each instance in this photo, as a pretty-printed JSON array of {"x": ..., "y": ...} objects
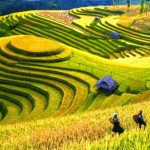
[
  {"x": 57, "y": 80},
  {"x": 50, "y": 62}
]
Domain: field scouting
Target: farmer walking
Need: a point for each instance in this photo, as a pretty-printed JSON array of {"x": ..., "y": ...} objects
[
  {"x": 117, "y": 127},
  {"x": 141, "y": 119}
]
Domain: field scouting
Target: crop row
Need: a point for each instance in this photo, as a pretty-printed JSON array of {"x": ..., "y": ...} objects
[
  {"x": 39, "y": 26},
  {"x": 122, "y": 46},
  {"x": 64, "y": 55},
  {"x": 34, "y": 24},
  {"x": 66, "y": 90},
  {"x": 106, "y": 26},
  {"x": 92, "y": 12}
]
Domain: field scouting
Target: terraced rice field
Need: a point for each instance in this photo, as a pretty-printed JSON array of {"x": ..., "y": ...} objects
[
  {"x": 54, "y": 76},
  {"x": 49, "y": 65},
  {"x": 93, "y": 38},
  {"x": 50, "y": 90},
  {"x": 35, "y": 83}
]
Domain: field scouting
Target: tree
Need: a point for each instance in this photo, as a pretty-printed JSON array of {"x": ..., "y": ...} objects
[
  {"x": 142, "y": 8},
  {"x": 128, "y": 4},
  {"x": 145, "y": 6},
  {"x": 2, "y": 32},
  {"x": 52, "y": 5},
  {"x": 7, "y": 25},
  {"x": 114, "y": 2},
  {"x": 118, "y": 2}
]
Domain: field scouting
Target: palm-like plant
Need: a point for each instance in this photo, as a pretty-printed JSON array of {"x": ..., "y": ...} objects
[
  {"x": 142, "y": 8},
  {"x": 114, "y": 2},
  {"x": 128, "y": 3},
  {"x": 52, "y": 5}
]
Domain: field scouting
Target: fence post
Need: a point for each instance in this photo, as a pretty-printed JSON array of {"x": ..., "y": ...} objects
[
  {"x": 111, "y": 73},
  {"x": 78, "y": 65},
  {"x": 92, "y": 69}
]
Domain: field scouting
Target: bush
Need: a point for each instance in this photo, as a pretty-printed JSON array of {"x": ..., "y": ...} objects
[
  {"x": 123, "y": 88},
  {"x": 2, "y": 32},
  {"x": 148, "y": 85},
  {"x": 136, "y": 86},
  {"x": 4, "y": 25}
]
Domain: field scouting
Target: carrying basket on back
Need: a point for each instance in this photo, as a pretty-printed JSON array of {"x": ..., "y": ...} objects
[
  {"x": 135, "y": 118},
  {"x": 111, "y": 120}
]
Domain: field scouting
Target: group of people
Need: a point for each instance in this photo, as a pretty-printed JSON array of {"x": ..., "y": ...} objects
[{"x": 117, "y": 126}]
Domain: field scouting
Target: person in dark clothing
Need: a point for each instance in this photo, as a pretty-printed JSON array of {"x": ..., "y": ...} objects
[
  {"x": 117, "y": 127},
  {"x": 141, "y": 119}
]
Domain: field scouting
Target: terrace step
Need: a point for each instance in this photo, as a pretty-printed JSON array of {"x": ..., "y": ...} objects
[
  {"x": 24, "y": 98},
  {"x": 135, "y": 53},
  {"x": 13, "y": 101},
  {"x": 132, "y": 31},
  {"x": 135, "y": 36},
  {"x": 54, "y": 102},
  {"x": 103, "y": 101},
  {"x": 61, "y": 110},
  {"x": 97, "y": 102},
  {"x": 3, "y": 111},
  {"x": 125, "y": 30},
  {"x": 128, "y": 54},
  {"x": 87, "y": 103},
  {"x": 16, "y": 53},
  {"x": 124, "y": 99},
  {"x": 140, "y": 98},
  {"x": 37, "y": 94},
  {"x": 11, "y": 111},
  {"x": 109, "y": 101}
]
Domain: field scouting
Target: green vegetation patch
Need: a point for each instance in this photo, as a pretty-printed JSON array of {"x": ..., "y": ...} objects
[
  {"x": 148, "y": 85},
  {"x": 137, "y": 86},
  {"x": 123, "y": 86}
]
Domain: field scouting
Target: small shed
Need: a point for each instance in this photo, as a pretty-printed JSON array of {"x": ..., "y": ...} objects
[
  {"x": 115, "y": 35},
  {"x": 106, "y": 85},
  {"x": 97, "y": 19}
]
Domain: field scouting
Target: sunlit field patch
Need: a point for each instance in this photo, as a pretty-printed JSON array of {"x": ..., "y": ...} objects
[
  {"x": 32, "y": 48},
  {"x": 35, "y": 44},
  {"x": 81, "y": 129}
]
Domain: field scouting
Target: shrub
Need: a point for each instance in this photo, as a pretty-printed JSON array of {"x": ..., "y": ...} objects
[
  {"x": 148, "y": 85},
  {"x": 123, "y": 86},
  {"x": 2, "y": 32},
  {"x": 4, "y": 25},
  {"x": 136, "y": 86}
]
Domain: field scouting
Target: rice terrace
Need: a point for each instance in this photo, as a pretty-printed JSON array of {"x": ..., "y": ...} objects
[{"x": 50, "y": 62}]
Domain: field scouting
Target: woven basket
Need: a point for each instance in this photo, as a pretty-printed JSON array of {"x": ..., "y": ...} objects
[{"x": 135, "y": 118}]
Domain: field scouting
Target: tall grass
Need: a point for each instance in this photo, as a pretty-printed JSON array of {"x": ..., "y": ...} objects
[
  {"x": 89, "y": 130},
  {"x": 132, "y": 140}
]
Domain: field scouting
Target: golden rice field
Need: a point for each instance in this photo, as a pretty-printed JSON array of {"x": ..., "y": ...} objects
[
  {"x": 50, "y": 62},
  {"x": 34, "y": 44},
  {"x": 89, "y": 130}
]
